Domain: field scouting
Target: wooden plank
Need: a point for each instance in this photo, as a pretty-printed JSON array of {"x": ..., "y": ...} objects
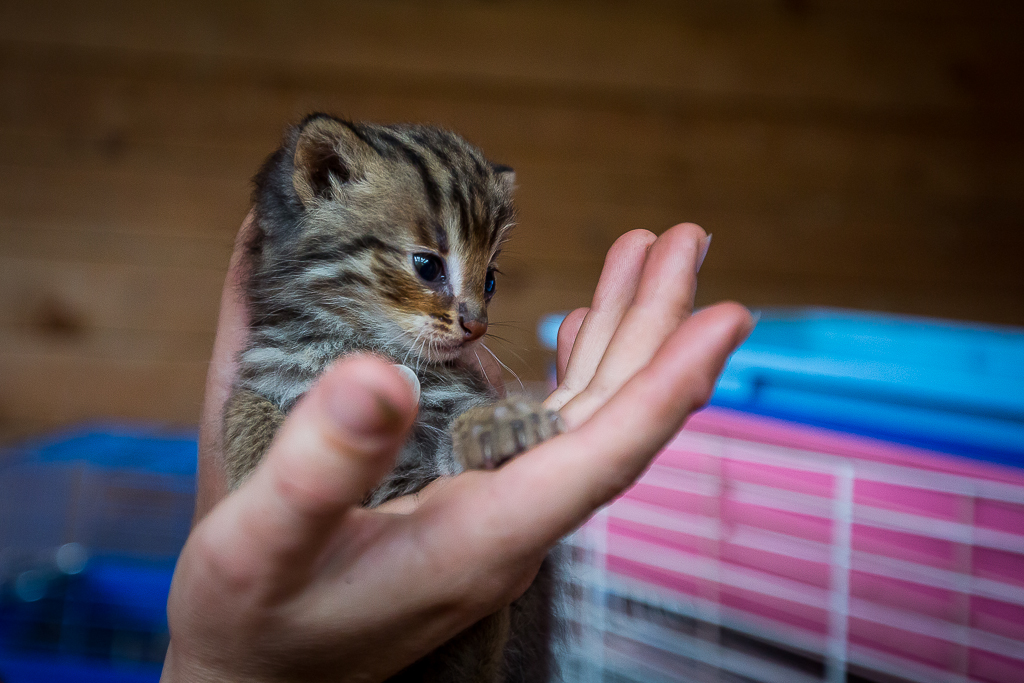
[
  {"x": 201, "y": 129},
  {"x": 717, "y": 161},
  {"x": 848, "y": 57},
  {"x": 89, "y": 303},
  {"x": 183, "y": 274},
  {"x": 123, "y": 345},
  {"x": 40, "y": 293},
  {"x": 75, "y": 242},
  {"x": 122, "y": 200},
  {"x": 664, "y": 157},
  {"x": 67, "y": 389},
  {"x": 113, "y": 101}
]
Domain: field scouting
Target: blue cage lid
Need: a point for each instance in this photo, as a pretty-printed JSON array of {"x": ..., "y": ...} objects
[{"x": 939, "y": 384}]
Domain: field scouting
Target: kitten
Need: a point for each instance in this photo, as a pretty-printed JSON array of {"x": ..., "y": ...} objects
[{"x": 384, "y": 239}]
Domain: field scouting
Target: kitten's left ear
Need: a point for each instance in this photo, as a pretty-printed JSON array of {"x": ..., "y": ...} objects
[
  {"x": 505, "y": 176},
  {"x": 327, "y": 152}
]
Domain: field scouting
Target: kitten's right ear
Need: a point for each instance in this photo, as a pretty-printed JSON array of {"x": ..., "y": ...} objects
[
  {"x": 505, "y": 176},
  {"x": 327, "y": 152}
]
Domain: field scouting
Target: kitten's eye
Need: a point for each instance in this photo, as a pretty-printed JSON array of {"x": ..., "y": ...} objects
[
  {"x": 490, "y": 285},
  {"x": 429, "y": 267}
]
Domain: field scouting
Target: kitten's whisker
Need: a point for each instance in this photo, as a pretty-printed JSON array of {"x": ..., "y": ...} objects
[
  {"x": 512, "y": 372},
  {"x": 431, "y": 428},
  {"x": 508, "y": 342},
  {"x": 420, "y": 351},
  {"x": 482, "y": 371},
  {"x": 414, "y": 341},
  {"x": 508, "y": 347},
  {"x": 428, "y": 349},
  {"x": 512, "y": 325}
]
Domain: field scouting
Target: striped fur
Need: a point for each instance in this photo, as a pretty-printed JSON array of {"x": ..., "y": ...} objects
[{"x": 340, "y": 210}]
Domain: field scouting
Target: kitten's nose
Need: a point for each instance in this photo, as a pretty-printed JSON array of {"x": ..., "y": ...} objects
[{"x": 472, "y": 327}]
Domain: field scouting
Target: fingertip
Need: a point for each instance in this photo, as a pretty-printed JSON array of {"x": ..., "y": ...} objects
[
  {"x": 714, "y": 333},
  {"x": 633, "y": 239},
  {"x": 570, "y": 326},
  {"x": 630, "y": 248},
  {"x": 621, "y": 272},
  {"x": 340, "y": 439},
  {"x": 730, "y": 316},
  {"x": 691, "y": 229}
]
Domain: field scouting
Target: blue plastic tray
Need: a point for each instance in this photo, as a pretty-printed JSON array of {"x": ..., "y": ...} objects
[{"x": 952, "y": 387}]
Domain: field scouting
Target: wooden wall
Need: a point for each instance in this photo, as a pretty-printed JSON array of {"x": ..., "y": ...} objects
[{"x": 859, "y": 153}]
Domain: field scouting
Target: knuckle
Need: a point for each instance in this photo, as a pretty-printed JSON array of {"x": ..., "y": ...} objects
[{"x": 730, "y": 311}]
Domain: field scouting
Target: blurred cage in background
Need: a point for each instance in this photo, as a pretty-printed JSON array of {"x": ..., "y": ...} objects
[
  {"x": 850, "y": 509},
  {"x": 829, "y": 546},
  {"x": 91, "y": 523}
]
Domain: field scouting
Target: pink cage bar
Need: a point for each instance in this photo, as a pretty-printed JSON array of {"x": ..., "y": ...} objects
[{"x": 762, "y": 550}]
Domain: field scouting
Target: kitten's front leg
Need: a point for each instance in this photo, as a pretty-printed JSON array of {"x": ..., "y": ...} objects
[
  {"x": 250, "y": 423},
  {"x": 487, "y": 436}
]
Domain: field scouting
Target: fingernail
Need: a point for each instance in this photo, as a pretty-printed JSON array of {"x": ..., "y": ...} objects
[
  {"x": 411, "y": 378},
  {"x": 703, "y": 252}
]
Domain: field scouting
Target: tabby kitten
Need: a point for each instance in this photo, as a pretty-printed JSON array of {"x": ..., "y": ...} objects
[{"x": 384, "y": 239}]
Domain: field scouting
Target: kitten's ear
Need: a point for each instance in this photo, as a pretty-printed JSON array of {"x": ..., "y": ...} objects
[
  {"x": 505, "y": 176},
  {"x": 327, "y": 152}
]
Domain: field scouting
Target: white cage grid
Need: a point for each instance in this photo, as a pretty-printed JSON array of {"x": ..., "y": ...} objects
[{"x": 628, "y": 626}]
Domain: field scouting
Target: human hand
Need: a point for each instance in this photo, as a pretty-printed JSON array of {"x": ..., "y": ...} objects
[{"x": 288, "y": 578}]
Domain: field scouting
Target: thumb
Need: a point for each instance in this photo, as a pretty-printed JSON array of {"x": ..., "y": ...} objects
[{"x": 333, "y": 448}]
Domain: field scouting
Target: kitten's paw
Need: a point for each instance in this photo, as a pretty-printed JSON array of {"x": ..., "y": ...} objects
[{"x": 487, "y": 436}]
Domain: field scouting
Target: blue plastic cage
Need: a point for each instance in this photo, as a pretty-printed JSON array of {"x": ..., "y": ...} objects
[{"x": 91, "y": 523}]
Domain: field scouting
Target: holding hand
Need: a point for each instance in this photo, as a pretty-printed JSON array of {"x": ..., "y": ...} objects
[{"x": 288, "y": 578}]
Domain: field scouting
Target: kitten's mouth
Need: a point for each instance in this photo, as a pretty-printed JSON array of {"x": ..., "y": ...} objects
[
  {"x": 436, "y": 347},
  {"x": 450, "y": 350},
  {"x": 444, "y": 351}
]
